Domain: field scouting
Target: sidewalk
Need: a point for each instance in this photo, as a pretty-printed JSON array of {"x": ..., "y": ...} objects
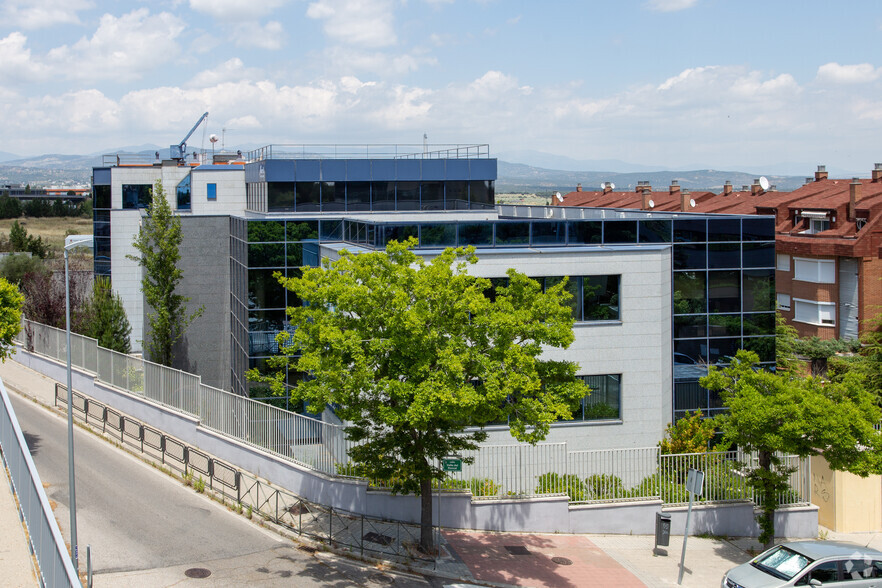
[{"x": 15, "y": 558}]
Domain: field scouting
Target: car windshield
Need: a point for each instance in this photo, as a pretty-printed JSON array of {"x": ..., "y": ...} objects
[{"x": 782, "y": 562}]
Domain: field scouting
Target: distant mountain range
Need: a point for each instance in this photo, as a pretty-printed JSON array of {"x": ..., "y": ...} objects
[{"x": 512, "y": 177}]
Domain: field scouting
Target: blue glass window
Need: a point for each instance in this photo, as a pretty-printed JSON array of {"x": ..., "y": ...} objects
[
  {"x": 183, "y": 193},
  {"x": 137, "y": 195},
  {"x": 211, "y": 191}
]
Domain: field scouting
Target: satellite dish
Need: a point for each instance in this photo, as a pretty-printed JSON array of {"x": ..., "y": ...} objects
[
  {"x": 692, "y": 202},
  {"x": 612, "y": 186},
  {"x": 764, "y": 183},
  {"x": 212, "y": 138},
  {"x": 559, "y": 197},
  {"x": 651, "y": 204}
]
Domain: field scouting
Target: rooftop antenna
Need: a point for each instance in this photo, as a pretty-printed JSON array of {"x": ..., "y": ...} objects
[{"x": 425, "y": 143}]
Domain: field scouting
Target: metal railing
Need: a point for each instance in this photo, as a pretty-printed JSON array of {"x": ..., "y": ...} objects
[
  {"x": 369, "y": 151},
  {"x": 497, "y": 471},
  {"x": 356, "y": 532},
  {"x": 44, "y": 537},
  {"x": 308, "y": 441}
]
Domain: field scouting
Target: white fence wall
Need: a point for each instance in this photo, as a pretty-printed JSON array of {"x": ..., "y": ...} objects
[{"x": 496, "y": 471}]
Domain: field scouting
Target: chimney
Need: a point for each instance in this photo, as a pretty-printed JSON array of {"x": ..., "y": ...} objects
[
  {"x": 675, "y": 186},
  {"x": 821, "y": 174},
  {"x": 745, "y": 187},
  {"x": 755, "y": 188},
  {"x": 727, "y": 188},
  {"x": 578, "y": 187},
  {"x": 773, "y": 188},
  {"x": 877, "y": 172},
  {"x": 685, "y": 201},
  {"x": 646, "y": 199},
  {"x": 854, "y": 196},
  {"x": 809, "y": 180},
  {"x": 607, "y": 187}
]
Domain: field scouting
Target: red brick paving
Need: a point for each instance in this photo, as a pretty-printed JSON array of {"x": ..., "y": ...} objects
[{"x": 488, "y": 560}]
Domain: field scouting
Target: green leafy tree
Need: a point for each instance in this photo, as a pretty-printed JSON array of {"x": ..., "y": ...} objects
[
  {"x": 871, "y": 354},
  {"x": 16, "y": 266},
  {"x": 158, "y": 242},
  {"x": 104, "y": 318},
  {"x": 10, "y": 317},
  {"x": 9, "y": 207},
  {"x": 412, "y": 355},
  {"x": 19, "y": 240},
  {"x": 772, "y": 413},
  {"x": 819, "y": 351},
  {"x": 786, "y": 361},
  {"x": 690, "y": 434}
]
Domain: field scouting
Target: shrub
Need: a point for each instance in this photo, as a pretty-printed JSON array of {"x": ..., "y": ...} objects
[
  {"x": 477, "y": 486},
  {"x": 605, "y": 487},
  {"x": 553, "y": 483}
]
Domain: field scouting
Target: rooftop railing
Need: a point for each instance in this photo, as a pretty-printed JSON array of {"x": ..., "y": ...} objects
[{"x": 369, "y": 151}]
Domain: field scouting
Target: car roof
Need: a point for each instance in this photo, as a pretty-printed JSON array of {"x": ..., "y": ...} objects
[{"x": 822, "y": 549}]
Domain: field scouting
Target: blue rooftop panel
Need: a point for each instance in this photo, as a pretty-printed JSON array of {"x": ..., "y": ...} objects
[
  {"x": 408, "y": 170},
  {"x": 433, "y": 169},
  {"x": 333, "y": 170},
  {"x": 279, "y": 170},
  {"x": 383, "y": 170},
  {"x": 358, "y": 170},
  {"x": 308, "y": 170},
  {"x": 482, "y": 169},
  {"x": 457, "y": 169}
]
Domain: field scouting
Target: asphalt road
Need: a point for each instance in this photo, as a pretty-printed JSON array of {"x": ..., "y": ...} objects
[{"x": 146, "y": 529}]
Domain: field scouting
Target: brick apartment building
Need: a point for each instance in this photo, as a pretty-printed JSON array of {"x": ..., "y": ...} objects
[{"x": 827, "y": 239}]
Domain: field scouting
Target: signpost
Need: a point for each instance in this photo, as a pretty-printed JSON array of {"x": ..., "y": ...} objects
[
  {"x": 694, "y": 485},
  {"x": 452, "y": 463}
]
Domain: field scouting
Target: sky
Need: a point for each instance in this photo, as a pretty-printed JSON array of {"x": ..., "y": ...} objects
[{"x": 762, "y": 86}]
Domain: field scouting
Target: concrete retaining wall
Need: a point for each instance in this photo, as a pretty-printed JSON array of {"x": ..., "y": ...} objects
[{"x": 550, "y": 514}]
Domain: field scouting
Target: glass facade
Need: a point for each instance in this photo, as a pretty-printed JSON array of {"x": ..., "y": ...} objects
[
  {"x": 723, "y": 300},
  {"x": 723, "y": 281},
  {"x": 359, "y": 196}
]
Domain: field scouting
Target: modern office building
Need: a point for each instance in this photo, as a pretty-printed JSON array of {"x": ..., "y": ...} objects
[{"x": 656, "y": 295}]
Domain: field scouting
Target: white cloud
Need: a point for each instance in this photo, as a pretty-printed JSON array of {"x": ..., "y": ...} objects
[
  {"x": 122, "y": 48},
  {"x": 685, "y": 76},
  {"x": 670, "y": 5},
  {"x": 35, "y": 14},
  {"x": 16, "y": 64},
  {"x": 365, "y": 23},
  {"x": 235, "y": 9},
  {"x": 270, "y": 36},
  {"x": 848, "y": 74},
  {"x": 231, "y": 70}
]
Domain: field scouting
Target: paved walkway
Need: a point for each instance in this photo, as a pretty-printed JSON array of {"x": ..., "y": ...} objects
[{"x": 16, "y": 565}]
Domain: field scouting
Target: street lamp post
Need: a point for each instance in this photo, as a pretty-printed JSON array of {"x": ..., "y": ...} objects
[{"x": 71, "y": 242}]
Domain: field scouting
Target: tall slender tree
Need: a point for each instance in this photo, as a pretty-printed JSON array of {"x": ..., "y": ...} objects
[
  {"x": 104, "y": 318},
  {"x": 158, "y": 241}
]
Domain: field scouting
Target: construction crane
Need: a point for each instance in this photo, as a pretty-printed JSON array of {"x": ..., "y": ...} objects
[{"x": 179, "y": 151}]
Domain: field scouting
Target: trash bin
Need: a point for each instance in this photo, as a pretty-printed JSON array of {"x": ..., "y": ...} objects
[{"x": 662, "y": 529}]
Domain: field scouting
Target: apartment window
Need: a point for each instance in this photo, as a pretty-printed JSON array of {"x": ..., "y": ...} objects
[
  {"x": 783, "y": 262},
  {"x": 783, "y": 301},
  {"x": 604, "y": 401},
  {"x": 814, "y": 313},
  {"x": 818, "y": 271},
  {"x": 817, "y": 225},
  {"x": 211, "y": 191}
]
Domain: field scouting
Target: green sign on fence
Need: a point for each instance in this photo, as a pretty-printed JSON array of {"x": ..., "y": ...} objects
[{"x": 451, "y": 464}]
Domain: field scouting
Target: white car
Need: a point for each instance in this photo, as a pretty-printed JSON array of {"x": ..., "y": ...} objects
[{"x": 809, "y": 563}]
